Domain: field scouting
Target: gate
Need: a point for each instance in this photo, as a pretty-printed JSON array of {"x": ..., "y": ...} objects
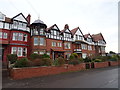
[
  {"x": 87, "y": 65},
  {"x": 92, "y": 65}
]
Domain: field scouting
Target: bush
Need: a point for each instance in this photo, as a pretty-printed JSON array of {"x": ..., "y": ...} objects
[
  {"x": 97, "y": 60},
  {"x": 47, "y": 62},
  {"x": 12, "y": 58},
  {"x": 80, "y": 60},
  {"x": 38, "y": 62},
  {"x": 34, "y": 56},
  {"x": 23, "y": 62},
  {"x": 87, "y": 59},
  {"x": 59, "y": 61},
  {"x": 45, "y": 56},
  {"x": 73, "y": 56},
  {"x": 74, "y": 62}
]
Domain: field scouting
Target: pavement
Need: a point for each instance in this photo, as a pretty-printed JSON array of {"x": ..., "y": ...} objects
[{"x": 92, "y": 78}]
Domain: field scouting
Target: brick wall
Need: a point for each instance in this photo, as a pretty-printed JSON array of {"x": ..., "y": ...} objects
[
  {"x": 29, "y": 72},
  {"x": 113, "y": 63},
  {"x": 100, "y": 64}
]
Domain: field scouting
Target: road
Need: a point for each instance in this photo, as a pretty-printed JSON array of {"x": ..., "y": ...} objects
[{"x": 94, "y": 78}]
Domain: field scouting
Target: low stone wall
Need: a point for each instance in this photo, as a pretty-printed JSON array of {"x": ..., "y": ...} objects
[
  {"x": 100, "y": 64},
  {"x": 21, "y": 73}
]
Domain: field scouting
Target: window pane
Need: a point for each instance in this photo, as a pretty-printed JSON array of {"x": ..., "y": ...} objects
[
  {"x": 20, "y": 37},
  {"x": 14, "y": 49},
  {"x": 35, "y": 41},
  {"x": 19, "y": 53},
  {"x": 0, "y": 34},
  {"x": 24, "y": 51},
  {"x": 25, "y": 37},
  {"x": 42, "y": 40},
  {"x": 5, "y": 35},
  {"x": 15, "y": 36}
]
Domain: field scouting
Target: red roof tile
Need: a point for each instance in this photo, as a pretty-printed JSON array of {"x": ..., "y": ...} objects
[
  {"x": 74, "y": 30},
  {"x": 97, "y": 37}
]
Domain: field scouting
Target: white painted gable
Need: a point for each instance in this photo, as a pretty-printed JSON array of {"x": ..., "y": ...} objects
[
  {"x": 78, "y": 32},
  {"x": 89, "y": 36},
  {"x": 55, "y": 27},
  {"x": 67, "y": 30},
  {"x": 2, "y": 17},
  {"x": 20, "y": 18}
]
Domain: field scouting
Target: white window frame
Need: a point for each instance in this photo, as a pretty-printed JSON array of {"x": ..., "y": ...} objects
[{"x": 37, "y": 40}]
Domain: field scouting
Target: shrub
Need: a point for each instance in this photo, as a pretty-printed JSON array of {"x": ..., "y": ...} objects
[
  {"x": 87, "y": 59},
  {"x": 38, "y": 62},
  {"x": 12, "y": 58},
  {"x": 80, "y": 60},
  {"x": 97, "y": 60},
  {"x": 47, "y": 61},
  {"x": 59, "y": 61},
  {"x": 73, "y": 56},
  {"x": 23, "y": 62},
  {"x": 45, "y": 56},
  {"x": 74, "y": 62},
  {"x": 34, "y": 56},
  {"x": 55, "y": 62}
]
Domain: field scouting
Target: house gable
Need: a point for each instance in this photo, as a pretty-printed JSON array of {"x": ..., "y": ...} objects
[{"x": 20, "y": 17}]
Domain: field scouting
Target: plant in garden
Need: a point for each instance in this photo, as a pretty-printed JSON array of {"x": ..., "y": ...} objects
[
  {"x": 38, "y": 62},
  {"x": 47, "y": 61},
  {"x": 59, "y": 61},
  {"x": 23, "y": 62},
  {"x": 34, "y": 56},
  {"x": 87, "y": 59},
  {"x": 12, "y": 58},
  {"x": 45, "y": 56},
  {"x": 80, "y": 60},
  {"x": 97, "y": 60},
  {"x": 73, "y": 55},
  {"x": 74, "y": 62}
]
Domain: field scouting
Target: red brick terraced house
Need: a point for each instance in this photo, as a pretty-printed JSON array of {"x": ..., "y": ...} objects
[
  {"x": 100, "y": 44},
  {"x": 14, "y": 36},
  {"x": 18, "y": 36}
]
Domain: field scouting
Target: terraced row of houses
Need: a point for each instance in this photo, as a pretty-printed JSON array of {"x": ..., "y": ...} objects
[{"x": 19, "y": 36}]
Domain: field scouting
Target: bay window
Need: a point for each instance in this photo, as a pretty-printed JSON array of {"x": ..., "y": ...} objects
[{"x": 20, "y": 51}]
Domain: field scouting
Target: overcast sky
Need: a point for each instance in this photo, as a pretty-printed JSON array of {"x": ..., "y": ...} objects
[{"x": 92, "y": 16}]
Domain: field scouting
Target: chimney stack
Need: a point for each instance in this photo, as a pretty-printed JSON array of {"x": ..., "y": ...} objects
[{"x": 28, "y": 18}]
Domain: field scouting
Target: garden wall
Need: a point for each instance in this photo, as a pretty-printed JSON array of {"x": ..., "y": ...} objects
[
  {"x": 113, "y": 63},
  {"x": 21, "y": 73},
  {"x": 100, "y": 64}
]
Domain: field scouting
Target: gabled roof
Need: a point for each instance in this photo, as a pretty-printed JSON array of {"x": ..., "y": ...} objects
[
  {"x": 19, "y": 15},
  {"x": 87, "y": 35},
  {"x": 75, "y": 30},
  {"x": 97, "y": 37},
  {"x": 48, "y": 29},
  {"x": 66, "y": 27}
]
